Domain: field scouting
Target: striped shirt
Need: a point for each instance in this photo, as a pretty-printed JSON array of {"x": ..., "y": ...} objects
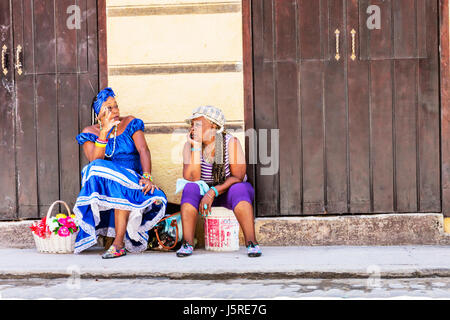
[{"x": 206, "y": 167}]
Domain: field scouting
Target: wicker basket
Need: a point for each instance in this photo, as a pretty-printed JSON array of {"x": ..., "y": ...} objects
[{"x": 54, "y": 243}]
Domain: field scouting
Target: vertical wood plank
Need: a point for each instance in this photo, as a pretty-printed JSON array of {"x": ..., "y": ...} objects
[
  {"x": 98, "y": 9},
  {"x": 444, "y": 20},
  {"x": 428, "y": 113},
  {"x": 405, "y": 135},
  {"x": 47, "y": 142},
  {"x": 405, "y": 31},
  {"x": 290, "y": 138},
  {"x": 25, "y": 115},
  {"x": 267, "y": 192},
  {"x": 249, "y": 121},
  {"x": 336, "y": 116},
  {"x": 66, "y": 39},
  {"x": 82, "y": 38},
  {"x": 358, "y": 122},
  {"x": 422, "y": 26},
  {"x": 8, "y": 199},
  {"x": 45, "y": 42},
  {"x": 381, "y": 115},
  {"x": 309, "y": 29},
  {"x": 376, "y": 44},
  {"x": 268, "y": 29},
  {"x": 267, "y": 199},
  {"x": 88, "y": 91},
  {"x": 312, "y": 126},
  {"x": 285, "y": 30},
  {"x": 69, "y": 179},
  {"x": 287, "y": 107}
]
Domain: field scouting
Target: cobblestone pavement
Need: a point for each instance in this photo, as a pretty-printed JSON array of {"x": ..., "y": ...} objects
[{"x": 372, "y": 288}]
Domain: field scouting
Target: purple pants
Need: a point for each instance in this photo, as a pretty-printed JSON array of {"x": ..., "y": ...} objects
[{"x": 242, "y": 191}]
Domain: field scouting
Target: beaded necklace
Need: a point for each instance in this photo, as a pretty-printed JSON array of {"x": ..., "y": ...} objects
[{"x": 114, "y": 145}]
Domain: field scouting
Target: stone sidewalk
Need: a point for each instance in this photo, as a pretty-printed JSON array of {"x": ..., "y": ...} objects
[{"x": 318, "y": 262}]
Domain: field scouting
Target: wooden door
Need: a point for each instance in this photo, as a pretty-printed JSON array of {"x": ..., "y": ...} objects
[
  {"x": 47, "y": 102},
  {"x": 357, "y": 108}
]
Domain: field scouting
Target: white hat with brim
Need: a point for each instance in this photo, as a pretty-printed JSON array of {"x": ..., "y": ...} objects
[{"x": 211, "y": 113}]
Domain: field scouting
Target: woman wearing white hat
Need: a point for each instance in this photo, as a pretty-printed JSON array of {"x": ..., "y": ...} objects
[{"x": 214, "y": 165}]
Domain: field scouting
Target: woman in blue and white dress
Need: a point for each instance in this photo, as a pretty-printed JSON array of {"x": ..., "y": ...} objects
[{"x": 118, "y": 197}]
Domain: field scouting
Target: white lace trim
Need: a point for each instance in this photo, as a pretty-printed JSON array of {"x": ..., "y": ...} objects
[{"x": 135, "y": 231}]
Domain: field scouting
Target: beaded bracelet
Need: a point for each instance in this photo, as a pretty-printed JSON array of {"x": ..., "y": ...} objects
[
  {"x": 196, "y": 149},
  {"x": 148, "y": 176}
]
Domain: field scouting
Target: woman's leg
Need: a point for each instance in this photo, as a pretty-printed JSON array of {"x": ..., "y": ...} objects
[
  {"x": 244, "y": 215},
  {"x": 190, "y": 201},
  {"x": 121, "y": 221},
  {"x": 240, "y": 197}
]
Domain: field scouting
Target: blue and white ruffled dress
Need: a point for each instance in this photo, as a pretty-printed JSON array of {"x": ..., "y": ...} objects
[{"x": 114, "y": 184}]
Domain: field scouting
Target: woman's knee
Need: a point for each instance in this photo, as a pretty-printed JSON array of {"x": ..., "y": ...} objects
[
  {"x": 191, "y": 194},
  {"x": 191, "y": 189},
  {"x": 242, "y": 189}
]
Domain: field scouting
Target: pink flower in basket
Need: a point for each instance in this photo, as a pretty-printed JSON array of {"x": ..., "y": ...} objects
[
  {"x": 70, "y": 223},
  {"x": 62, "y": 221},
  {"x": 63, "y": 232}
]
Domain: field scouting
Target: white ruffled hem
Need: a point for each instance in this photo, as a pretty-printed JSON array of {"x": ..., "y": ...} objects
[{"x": 135, "y": 230}]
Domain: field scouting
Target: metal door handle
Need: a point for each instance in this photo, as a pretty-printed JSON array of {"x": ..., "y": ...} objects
[
  {"x": 4, "y": 62},
  {"x": 18, "y": 63},
  {"x": 353, "y": 56},
  {"x": 337, "y": 33}
]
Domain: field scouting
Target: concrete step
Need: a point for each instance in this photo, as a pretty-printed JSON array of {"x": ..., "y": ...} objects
[{"x": 356, "y": 230}]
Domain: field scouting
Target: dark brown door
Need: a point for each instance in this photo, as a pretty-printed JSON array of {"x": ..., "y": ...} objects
[
  {"x": 52, "y": 75},
  {"x": 357, "y": 107}
]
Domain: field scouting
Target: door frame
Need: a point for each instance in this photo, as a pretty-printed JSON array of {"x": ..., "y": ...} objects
[
  {"x": 444, "y": 28},
  {"x": 102, "y": 44}
]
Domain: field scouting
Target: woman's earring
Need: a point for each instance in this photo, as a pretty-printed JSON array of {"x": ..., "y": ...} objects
[{"x": 100, "y": 123}]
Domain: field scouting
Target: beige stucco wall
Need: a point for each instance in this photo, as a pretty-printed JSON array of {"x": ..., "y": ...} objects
[{"x": 167, "y": 57}]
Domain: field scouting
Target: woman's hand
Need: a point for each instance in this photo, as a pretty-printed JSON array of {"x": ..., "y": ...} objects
[
  {"x": 148, "y": 185},
  {"x": 207, "y": 200},
  {"x": 107, "y": 119},
  {"x": 194, "y": 139}
]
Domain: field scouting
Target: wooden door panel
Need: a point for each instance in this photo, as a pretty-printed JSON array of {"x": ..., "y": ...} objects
[
  {"x": 429, "y": 117},
  {"x": 267, "y": 195},
  {"x": 47, "y": 141},
  {"x": 313, "y": 30},
  {"x": 363, "y": 135},
  {"x": 360, "y": 173},
  {"x": 8, "y": 200},
  {"x": 66, "y": 39},
  {"x": 401, "y": 34},
  {"x": 285, "y": 31},
  {"x": 289, "y": 124},
  {"x": 405, "y": 123},
  {"x": 68, "y": 129},
  {"x": 26, "y": 117},
  {"x": 376, "y": 43},
  {"x": 336, "y": 115},
  {"x": 382, "y": 135},
  {"x": 313, "y": 132},
  {"x": 44, "y": 37},
  {"x": 26, "y": 150}
]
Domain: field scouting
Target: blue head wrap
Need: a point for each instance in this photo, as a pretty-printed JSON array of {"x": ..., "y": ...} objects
[{"x": 101, "y": 98}]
